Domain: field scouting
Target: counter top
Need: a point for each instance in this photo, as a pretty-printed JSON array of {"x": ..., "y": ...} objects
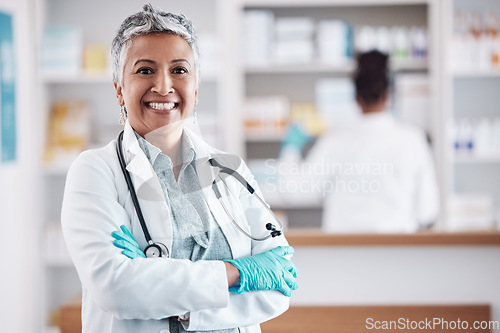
[{"x": 316, "y": 237}]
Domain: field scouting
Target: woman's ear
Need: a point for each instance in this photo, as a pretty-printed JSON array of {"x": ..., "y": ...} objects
[{"x": 119, "y": 94}]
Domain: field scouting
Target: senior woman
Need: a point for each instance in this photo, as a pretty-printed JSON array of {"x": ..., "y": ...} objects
[{"x": 212, "y": 276}]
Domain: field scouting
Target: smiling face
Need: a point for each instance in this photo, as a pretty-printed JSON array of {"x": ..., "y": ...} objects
[{"x": 159, "y": 85}]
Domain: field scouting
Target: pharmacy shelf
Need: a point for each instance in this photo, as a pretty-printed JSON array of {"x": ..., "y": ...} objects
[
  {"x": 475, "y": 81},
  {"x": 278, "y": 202},
  {"x": 329, "y": 3},
  {"x": 476, "y": 73},
  {"x": 298, "y": 205},
  {"x": 255, "y": 138},
  {"x": 297, "y": 68},
  {"x": 477, "y": 159},
  {"x": 325, "y": 68}
]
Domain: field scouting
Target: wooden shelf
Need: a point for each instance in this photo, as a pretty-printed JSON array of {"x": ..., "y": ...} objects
[{"x": 316, "y": 237}]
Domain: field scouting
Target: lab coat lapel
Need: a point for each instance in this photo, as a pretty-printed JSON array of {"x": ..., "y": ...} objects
[
  {"x": 235, "y": 238},
  {"x": 149, "y": 192},
  {"x": 206, "y": 174}
]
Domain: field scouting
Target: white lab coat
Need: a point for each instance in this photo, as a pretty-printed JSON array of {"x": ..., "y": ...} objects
[
  {"x": 377, "y": 175},
  {"x": 122, "y": 295}
]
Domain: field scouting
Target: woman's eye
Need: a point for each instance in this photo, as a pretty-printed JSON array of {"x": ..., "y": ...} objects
[
  {"x": 145, "y": 71},
  {"x": 179, "y": 70}
]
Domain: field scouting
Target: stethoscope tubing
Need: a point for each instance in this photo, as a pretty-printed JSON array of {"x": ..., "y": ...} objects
[
  {"x": 132, "y": 190},
  {"x": 274, "y": 232}
]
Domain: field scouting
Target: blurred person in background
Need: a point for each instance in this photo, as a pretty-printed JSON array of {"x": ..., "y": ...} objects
[
  {"x": 376, "y": 175},
  {"x": 211, "y": 276}
]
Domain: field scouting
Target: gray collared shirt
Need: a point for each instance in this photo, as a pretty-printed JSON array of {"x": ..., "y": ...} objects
[{"x": 196, "y": 234}]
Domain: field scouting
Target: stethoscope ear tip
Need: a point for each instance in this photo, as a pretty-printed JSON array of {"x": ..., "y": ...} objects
[
  {"x": 275, "y": 233},
  {"x": 272, "y": 228}
]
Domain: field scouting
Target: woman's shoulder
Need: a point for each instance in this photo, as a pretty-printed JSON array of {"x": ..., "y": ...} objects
[{"x": 96, "y": 158}]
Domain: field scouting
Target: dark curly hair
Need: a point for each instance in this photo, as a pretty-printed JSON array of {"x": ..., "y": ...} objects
[{"x": 371, "y": 78}]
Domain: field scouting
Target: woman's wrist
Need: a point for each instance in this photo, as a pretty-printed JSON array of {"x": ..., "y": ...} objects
[{"x": 232, "y": 273}]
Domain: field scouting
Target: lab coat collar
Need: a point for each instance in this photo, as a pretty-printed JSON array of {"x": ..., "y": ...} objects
[
  {"x": 381, "y": 119},
  {"x": 140, "y": 166}
]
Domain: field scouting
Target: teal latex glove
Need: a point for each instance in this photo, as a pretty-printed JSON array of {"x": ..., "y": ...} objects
[
  {"x": 268, "y": 270},
  {"x": 295, "y": 137},
  {"x": 124, "y": 240}
]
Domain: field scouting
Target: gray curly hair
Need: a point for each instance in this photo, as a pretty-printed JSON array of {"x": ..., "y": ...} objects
[{"x": 149, "y": 21}]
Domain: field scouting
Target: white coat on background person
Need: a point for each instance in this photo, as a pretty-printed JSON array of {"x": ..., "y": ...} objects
[
  {"x": 376, "y": 175},
  {"x": 216, "y": 278}
]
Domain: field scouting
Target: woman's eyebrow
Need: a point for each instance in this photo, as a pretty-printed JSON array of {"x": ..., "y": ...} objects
[
  {"x": 144, "y": 60},
  {"x": 179, "y": 60},
  {"x": 153, "y": 62}
]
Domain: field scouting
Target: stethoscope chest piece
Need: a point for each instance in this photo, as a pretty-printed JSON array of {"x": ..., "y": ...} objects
[{"x": 156, "y": 250}]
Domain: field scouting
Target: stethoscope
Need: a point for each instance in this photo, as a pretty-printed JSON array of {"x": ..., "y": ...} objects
[{"x": 157, "y": 249}]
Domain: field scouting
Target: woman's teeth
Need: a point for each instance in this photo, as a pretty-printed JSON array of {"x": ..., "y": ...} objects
[{"x": 161, "y": 106}]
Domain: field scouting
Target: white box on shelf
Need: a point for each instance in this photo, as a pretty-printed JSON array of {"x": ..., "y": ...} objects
[
  {"x": 469, "y": 211},
  {"x": 258, "y": 38},
  {"x": 294, "y": 28},
  {"x": 62, "y": 49},
  {"x": 266, "y": 116},
  {"x": 294, "y": 41},
  {"x": 334, "y": 39}
]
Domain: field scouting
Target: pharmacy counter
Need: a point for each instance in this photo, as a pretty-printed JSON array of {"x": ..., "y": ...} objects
[
  {"x": 397, "y": 269},
  {"x": 315, "y": 237}
]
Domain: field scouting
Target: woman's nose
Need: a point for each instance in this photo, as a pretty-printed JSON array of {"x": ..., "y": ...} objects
[{"x": 163, "y": 84}]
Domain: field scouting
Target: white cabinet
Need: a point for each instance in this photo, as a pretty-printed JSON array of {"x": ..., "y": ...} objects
[
  {"x": 471, "y": 113},
  {"x": 96, "y": 23}
]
